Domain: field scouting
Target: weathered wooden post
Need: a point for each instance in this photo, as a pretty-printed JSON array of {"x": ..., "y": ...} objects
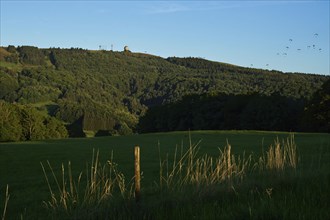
[{"x": 137, "y": 173}]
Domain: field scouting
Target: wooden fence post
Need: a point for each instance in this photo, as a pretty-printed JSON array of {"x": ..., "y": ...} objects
[{"x": 137, "y": 173}]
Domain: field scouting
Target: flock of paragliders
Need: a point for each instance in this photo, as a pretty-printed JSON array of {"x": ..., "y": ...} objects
[
  {"x": 290, "y": 47},
  {"x": 308, "y": 47}
]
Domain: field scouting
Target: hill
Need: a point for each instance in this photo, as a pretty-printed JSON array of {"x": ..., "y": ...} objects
[{"x": 107, "y": 92}]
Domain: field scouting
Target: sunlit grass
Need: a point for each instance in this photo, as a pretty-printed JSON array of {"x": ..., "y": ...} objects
[
  {"x": 280, "y": 156},
  {"x": 89, "y": 190},
  {"x": 189, "y": 168}
]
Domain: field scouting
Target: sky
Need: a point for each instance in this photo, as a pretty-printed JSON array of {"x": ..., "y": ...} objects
[{"x": 290, "y": 36}]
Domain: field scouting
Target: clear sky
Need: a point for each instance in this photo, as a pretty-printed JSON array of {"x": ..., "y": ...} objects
[{"x": 290, "y": 36}]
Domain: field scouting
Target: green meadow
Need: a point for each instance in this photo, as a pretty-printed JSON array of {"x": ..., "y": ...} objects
[{"x": 300, "y": 193}]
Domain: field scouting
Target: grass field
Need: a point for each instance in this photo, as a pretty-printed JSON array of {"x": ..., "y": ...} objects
[{"x": 301, "y": 194}]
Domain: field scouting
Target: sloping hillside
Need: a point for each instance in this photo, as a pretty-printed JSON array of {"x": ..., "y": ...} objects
[{"x": 110, "y": 91}]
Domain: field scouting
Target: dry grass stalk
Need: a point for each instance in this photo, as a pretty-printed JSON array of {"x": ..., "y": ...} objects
[
  {"x": 280, "y": 156},
  {"x": 203, "y": 170},
  {"x": 189, "y": 168},
  {"x": 101, "y": 182},
  {"x": 6, "y": 203}
]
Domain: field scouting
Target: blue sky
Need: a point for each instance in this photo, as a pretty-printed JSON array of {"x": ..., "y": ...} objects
[{"x": 246, "y": 33}]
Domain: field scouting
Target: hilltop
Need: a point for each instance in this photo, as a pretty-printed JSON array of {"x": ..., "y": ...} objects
[{"x": 108, "y": 91}]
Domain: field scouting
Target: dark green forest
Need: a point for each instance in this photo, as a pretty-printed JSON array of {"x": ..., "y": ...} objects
[{"x": 56, "y": 93}]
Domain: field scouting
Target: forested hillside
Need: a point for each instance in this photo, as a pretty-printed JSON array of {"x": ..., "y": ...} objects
[{"x": 107, "y": 92}]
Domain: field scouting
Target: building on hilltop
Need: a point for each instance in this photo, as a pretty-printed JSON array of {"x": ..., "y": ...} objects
[{"x": 126, "y": 49}]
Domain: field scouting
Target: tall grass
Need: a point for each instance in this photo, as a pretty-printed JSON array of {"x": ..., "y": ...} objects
[
  {"x": 185, "y": 171},
  {"x": 7, "y": 196},
  {"x": 190, "y": 169},
  {"x": 280, "y": 156},
  {"x": 101, "y": 183}
]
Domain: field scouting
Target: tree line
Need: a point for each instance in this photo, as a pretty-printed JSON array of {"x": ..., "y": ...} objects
[{"x": 241, "y": 112}]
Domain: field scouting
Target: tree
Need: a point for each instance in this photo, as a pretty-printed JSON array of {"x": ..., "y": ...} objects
[
  {"x": 317, "y": 112},
  {"x": 8, "y": 84},
  {"x": 11, "y": 49},
  {"x": 54, "y": 128},
  {"x": 32, "y": 123},
  {"x": 10, "y": 127},
  {"x": 31, "y": 55}
]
